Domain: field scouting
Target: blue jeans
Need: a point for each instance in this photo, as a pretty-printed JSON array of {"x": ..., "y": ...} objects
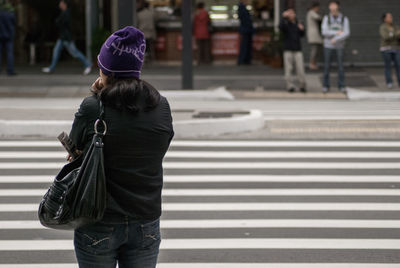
[
  {"x": 327, "y": 66},
  {"x": 9, "y": 47},
  {"x": 388, "y": 58},
  {"x": 72, "y": 50},
  {"x": 246, "y": 49},
  {"x": 131, "y": 243}
]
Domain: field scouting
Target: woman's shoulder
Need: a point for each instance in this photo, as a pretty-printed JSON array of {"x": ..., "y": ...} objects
[{"x": 90, "y": 106}]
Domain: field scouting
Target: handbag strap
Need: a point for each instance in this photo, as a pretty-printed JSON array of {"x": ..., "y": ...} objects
[{"x": 100, "y": 120}]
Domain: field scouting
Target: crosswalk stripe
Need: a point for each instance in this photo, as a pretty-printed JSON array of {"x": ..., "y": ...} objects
[
  {"x": 248, "y": 223},
  {"x": 225, "y": 265},
  {"x": 229, "y": 165},
  {"x": 206, "y": 143},
  {"x": 320, "y": 206},
  {"x": 239, "y": 192},
  {"x": 221, "y": 155},
  {"x": 233, "y": 178},
  {"x": 224, "y": 243}
]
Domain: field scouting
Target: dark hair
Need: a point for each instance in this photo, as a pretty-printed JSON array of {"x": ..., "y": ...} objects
[
  {"x": 315, "y": 4},
  {"x": 334, "y": 1},
  {"x": 200, "y": 5},
  {"x": 124, "y": 95}
]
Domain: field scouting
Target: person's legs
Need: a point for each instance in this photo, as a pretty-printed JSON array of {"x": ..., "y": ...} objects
[
  {"x": 388, "y": 66},
  {"x": 397, "y": 65},
  {"x": 1, "y": 54},
  {"x": 141, "y": 251},
  {"x": 249, "y": 50},
  {"x": 327, "y": 67},
  {"x": 313, "y": 56},
  {"x": 56, "y": 54},
  {"x": 288, "y": 59},
  {"x": 96, "y": 245},
  {"x": 301, "y": 75},
  {"x": 207, "y": 51},
  {"x": 340, "y": 63},
  {"x": 70, "y": 46},
  {"x": 9, "y": 45},
  {"x": 243, "y": 49}
]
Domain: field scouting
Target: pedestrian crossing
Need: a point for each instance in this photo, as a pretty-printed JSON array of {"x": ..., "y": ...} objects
[{"x": 286, "y": 204}]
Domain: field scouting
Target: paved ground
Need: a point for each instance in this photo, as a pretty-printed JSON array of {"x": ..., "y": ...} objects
[
  {"x": 247, "y": 204},
  {"x": 248, "y": 78}
]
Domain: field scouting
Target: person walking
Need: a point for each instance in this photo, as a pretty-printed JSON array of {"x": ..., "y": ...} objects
[
  {"x": 63, "y": 23},
  {"x": 292, "y": 31},
  {"x": 335, "y": 30},
  {"x": 246, "y": 31},
  {"x": 139, "y": 132},
  {"x": 314, "y": 37},
  {"x": 7, "y": 32},
  {"x": 146, "y": 23},
  {"x": 201, "y": 25},
  {"x": 390, "y": 47}
]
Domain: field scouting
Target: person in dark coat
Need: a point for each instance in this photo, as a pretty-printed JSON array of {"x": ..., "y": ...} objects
[
  {"x": 7, "y": 32},
  {"x": 292, "y": 31},
  {"x": 63, "y": 23},
  {"x": 246, "y": 31},
  {"x": 139, "y": 132}
]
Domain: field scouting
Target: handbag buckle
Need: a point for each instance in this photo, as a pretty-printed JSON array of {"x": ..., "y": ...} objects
[{"x": 97, "y": 123}]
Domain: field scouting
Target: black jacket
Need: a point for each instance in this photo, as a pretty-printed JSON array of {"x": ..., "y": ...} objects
[
  {"x": 134, "y": 147},
  {"x": 291, "y": 35},
  {"x": 7, "y": 25},
  {"x": 63, "y": 23}
]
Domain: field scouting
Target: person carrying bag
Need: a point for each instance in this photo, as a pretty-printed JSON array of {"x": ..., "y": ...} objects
[{"x": 138, "y": 131}]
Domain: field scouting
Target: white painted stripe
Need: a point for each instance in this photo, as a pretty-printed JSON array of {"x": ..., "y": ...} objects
[
  {"x": 278, "y": 178},
  {"x": 247, "y": 223},
  {"x": 225, "y": 265},
  {"x": 239, "y": 192},
  {"x": 320, "y": 206},
  {"x": 236, "y": 143},
  {"x": 269, "y": 265},
  {"x": 257, "y": 243},
  {"x": 229, "y": 165},
  {"x": 232, "y": 178},
  {"x": 221, "y": 155}
]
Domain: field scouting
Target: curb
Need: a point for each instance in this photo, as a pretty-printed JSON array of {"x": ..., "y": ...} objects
[
  {"x": 183, "y": 129},
  {"x": 356, "y": 94},
  {"x": 216, "y": 127}
]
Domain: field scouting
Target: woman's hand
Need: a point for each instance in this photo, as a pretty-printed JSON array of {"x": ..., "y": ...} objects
[
  {"x": 69, "y": 157},
  {"x": 98, "y": 85}
]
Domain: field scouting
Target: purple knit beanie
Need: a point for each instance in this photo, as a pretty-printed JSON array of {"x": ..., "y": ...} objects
[{"x": 122, "y": 54}]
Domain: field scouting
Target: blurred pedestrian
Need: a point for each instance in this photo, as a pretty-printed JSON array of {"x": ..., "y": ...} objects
[
  {"x": 335, "y": 30},
  {"x": 390, "y": 47},
  {"x": 63, "y": 23},
  {"x": 7, "y": 32},
  {"x": 292, "y": 31},
  {"x": 246, "y": 31},
  {"x": 314, "y": 37},
  {"x": 201, "y": 31},
  {"x": 147, "y": 24}
]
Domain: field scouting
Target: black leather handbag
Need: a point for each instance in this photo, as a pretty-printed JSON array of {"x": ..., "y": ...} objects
[{"x": 77, "y": 197}]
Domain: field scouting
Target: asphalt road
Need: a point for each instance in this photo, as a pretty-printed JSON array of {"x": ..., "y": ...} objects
[{"x": 234, "y": 204}]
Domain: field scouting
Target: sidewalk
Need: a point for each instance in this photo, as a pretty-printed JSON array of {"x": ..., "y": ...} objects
[{"x": 257, "y": 81}]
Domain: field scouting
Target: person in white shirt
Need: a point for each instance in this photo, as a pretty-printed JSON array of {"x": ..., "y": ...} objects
[
  {"x": 335, "y": 30},
  {"x": 313, "y": 29}
]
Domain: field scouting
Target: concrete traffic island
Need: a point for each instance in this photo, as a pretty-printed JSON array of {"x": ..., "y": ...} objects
[{"x": 187, "y": 124}]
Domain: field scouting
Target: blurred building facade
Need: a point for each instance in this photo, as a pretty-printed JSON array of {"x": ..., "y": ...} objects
[{"x": 36, "y": 26}]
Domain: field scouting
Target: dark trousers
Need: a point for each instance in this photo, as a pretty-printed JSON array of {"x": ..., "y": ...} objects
[
  {"x": 203, "y": 51},
  {"x": 246, "y": 48},
  {"x": 328, "y": 52},
  {"x": 9, "y": 47},
  {"x": 388, "y": 58}
]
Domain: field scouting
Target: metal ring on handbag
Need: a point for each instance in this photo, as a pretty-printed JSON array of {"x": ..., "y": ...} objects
[{"x": 96, "y": 124}]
